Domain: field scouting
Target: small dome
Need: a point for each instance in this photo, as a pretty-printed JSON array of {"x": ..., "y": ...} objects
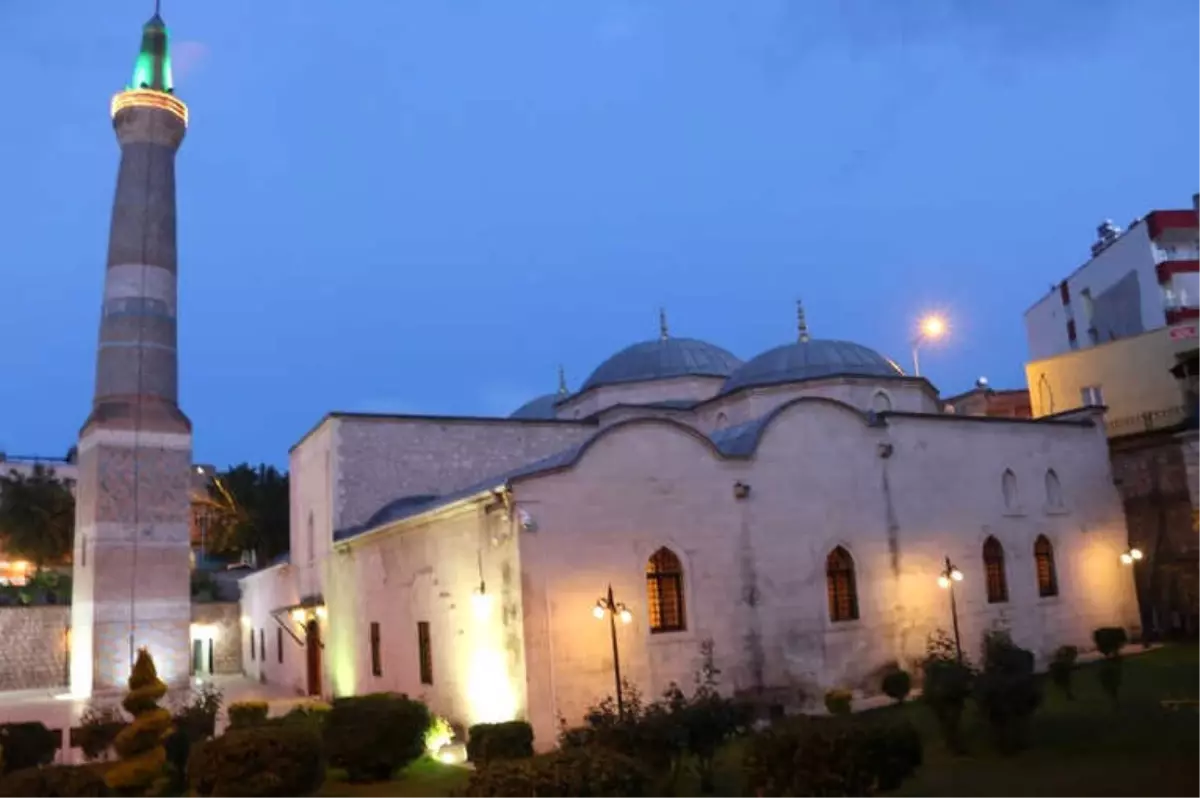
[
  {"x": 540, "y": 408},
  {"x": 661, "y": 359},
  {"x": 810, "y": 360}
]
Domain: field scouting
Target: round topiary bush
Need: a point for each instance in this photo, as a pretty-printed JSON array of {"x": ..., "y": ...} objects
[
  {"x": 140, "y": 744},
  {"x": 371, "y": 736},
  {"x": 838, "y": 702},
  {"x": 897, "y": 684},
  {"x": 263, "y": 760}
]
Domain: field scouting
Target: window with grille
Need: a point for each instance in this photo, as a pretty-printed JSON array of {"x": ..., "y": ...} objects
[
  {"x": 1043, "y": 557},
  {"x": 425, "y": 652},
  {"x": 993, "y": 566},
  {"x": 839, "y": 583},
  {"x": 664, "y": 592},
  {"x": 376, "y": 656},
  {"x": 252, "y": 657}
]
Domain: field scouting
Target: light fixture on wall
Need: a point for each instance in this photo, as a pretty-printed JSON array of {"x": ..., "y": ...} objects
[
  {"x": 1131, "y": 556},
  {"x": 298, "y": 615},
  {"x": 740, "y": 490},
  {"x": 481, "y": 602}
]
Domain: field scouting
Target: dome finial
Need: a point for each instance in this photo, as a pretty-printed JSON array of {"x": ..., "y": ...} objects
[
  {"x": 562, "y": 381},
  {"x": 662, "y": 323},
  {"x": 801, "y": 321}
]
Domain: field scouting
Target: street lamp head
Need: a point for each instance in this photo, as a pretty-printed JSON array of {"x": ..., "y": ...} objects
[
  {"x": 1126, "y": 558},
  {"x": 1135, "y": 554},
  {"x": 932, "y": 327},
  {"x": 956, "y": 575},
  {"x": 943, "y": 582},
  {"x": 598, "y": 611},
  {"x": 626, "y": 615}
]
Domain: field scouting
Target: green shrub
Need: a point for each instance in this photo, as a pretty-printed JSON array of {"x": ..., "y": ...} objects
[
  {"x": 897, "y": 684},
  {"x": 487, "y": 742},
  {"x": 831, "y": 756},
  {"x": 27, "y": 745},
  {"x": 98, "y": 728},
  {"x": 255, "y": 761},
  {"x": 946, "y": 688},
  {"x": 54, "y": 781},
  {"x": 140, "y": 744},
  {"x": 244, "y": 714},
  {"x": 586, "y": 771},
  {"x": 1110, "y": 640},
  {"x": 1006, "y": 691},
  {"x": 838, "y": 702},
  {"x": 312, "y": 716},
  {"x": 1061, "y": 668},
  {"x": 195, "y": 721},
  {"x": 371, "y": 736}
]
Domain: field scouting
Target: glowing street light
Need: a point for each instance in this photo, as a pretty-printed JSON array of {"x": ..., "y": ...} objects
[
  {"x": 607, "y": 606},
  {"x": 1131, "y": 556},
  {"x": 931, "y": 328},
  {"x": 946, "y": 579}
]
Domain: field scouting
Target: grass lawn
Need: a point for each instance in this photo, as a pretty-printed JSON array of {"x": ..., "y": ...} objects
[{"x": 1081, "y": 747}]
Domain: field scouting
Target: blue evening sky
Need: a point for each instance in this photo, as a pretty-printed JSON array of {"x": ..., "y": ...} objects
[{"x": 426, "y": 206}]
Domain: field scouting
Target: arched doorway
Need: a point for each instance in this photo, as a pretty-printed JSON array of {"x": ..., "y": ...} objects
[{"x": 312, "y": 648}]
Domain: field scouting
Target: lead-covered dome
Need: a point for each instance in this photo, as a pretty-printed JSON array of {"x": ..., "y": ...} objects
[
  {"x": 540, "y": 408},
  {"x": 810, "y": 360},
  {"x": 662, "y": 359}
]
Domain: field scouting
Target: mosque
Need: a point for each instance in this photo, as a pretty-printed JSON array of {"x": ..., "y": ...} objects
[{"x": 798, "y": 513}]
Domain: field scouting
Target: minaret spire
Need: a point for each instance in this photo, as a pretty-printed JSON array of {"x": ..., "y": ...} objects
[
  {"x": 562, "y": 381},
  {"x": 662, "y": 324},
  {"x": 801, "y": 322},
  {"x": 153, "y": 68}
]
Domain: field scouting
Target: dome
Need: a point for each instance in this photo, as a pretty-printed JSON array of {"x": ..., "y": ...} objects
[
  {"x": 540, "y": 408},
  {"x": 661, "y": 359},
  {"x": 810, "y": 360}
]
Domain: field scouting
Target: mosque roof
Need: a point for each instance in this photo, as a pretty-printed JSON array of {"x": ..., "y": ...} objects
[
  {"x": 540, "y": 407},
  {"x": 810, "y": 359},
  {"x": 663, "y": 358}
]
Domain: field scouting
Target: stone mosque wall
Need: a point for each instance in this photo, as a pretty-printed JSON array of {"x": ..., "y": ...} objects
[{"x": 35, "y": 652}]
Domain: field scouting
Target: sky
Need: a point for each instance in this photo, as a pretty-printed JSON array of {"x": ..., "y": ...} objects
[{"x": 421, "y": 206}]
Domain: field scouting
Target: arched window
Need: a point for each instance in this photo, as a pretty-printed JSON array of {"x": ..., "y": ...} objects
[
  {"x": 664, "y": 592},
  {"x": 1043, "y": 557},
  {"x": 839, "y": 583},
  {"x": 1054, "y": 497},
  {"x": 1045, "y": 396},
  {"x": 1008, "y": 485},
  {"x": 993, "y": 567},
  {"x": 881, "y": 402}
]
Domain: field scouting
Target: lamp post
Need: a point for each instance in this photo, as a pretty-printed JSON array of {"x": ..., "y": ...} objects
[
  {"x": 1130, "y": 556},
  {"x": 946, "y": 579},
  {"x": 607, "y": 606},
  {"x": 931, "y": 328}
]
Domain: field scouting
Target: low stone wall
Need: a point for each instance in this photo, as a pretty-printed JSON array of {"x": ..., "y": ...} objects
[
  {"x": 34, "y": 647},
  {"x": 225, "y": 619}
]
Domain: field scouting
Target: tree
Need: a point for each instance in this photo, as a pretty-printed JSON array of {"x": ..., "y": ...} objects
[
  {"x": 249, "y": 507},
  {"x": 37, "y": 516},
  {"x": 140, "y": 744}
]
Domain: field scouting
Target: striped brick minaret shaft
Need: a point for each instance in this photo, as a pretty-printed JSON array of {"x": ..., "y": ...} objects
[{"x": 131, "y": 561}]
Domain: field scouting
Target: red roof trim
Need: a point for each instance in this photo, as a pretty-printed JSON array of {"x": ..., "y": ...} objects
[
  {"x": 1176, "y": 315},
  {"x": 1171, "y": 267},
  {"x": 1160, "y": 221}
]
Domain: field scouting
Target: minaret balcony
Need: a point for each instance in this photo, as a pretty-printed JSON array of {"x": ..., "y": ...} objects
[{"x": 149, "y": 98}]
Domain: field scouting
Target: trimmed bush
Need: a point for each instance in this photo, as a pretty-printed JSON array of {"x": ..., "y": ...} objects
[
  {"x": 1110, "y": 640},
  {"x": 897, "y": 684},
  {"x": 257, "y": 761},
  {"x": 54, "y": 781},
  {"x": 487, "y": 742},
  {"x": 838, "y": 702},
  {"x": 371, "y": 736},
  {"x": 831, "y": 756},
  {"x": 587, "y": 771},
  {"x": 27, "y": 745},
  {"x": 1061, "y": 668},
  {"x": 195, "y": 721},
  {"x": 140, "y": 744},
  {"x": 946, "y": 689},
  {"x": 1007, "y": 691},
  {"x": 311, "y": 716},
  {"x": 97, "y": 730},
  {"x": 244, "y": 714}
]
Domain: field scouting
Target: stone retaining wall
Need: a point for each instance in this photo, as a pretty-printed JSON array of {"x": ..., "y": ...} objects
[{"x": 34, "y": 648}]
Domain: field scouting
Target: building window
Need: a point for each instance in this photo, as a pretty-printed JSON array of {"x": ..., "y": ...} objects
[
  {"x": 262, "y": 643},
  {"x": 279, "y": 644},
  {"x": 425, "y": 652},
  {"x": 1008, "y": 486},
  {"x": 839, "y": 583},
  {"x": 252, "y": 656},
  {"x": 664, "y": 592},
  {"x": 1091, "y": 396},
  {"x": 312, "y": 538},
  {"x": 1054, "y": 497},
  {"x": 881, "y": 402},
  {"x": 993, "y": 567},
  {"x": 377, "y": 659},
  {"x": 1043, "y": 556},
  {"x": 83, "y": 551}
]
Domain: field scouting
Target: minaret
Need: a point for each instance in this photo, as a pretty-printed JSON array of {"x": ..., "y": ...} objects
[{"x": 131, "y": 568}]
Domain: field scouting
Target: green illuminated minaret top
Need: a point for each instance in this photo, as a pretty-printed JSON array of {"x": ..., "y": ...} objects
[{"x": 153, "y": 68}]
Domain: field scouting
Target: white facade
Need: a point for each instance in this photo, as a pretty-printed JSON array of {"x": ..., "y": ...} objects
[
  {"x": 1144, "y": 279},
  {"x": 480, "y": 601}
]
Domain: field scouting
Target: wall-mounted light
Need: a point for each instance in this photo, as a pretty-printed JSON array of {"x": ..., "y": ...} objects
[
  {"x": 321, "y": 613},
  {"x": 740, "y": 490},
  {"x": 298, "y": 615},
  {"x": 1131, "y": 556}
]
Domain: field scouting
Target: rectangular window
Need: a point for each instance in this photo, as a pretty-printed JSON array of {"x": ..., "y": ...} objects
[
  {"x": 252, "y": 645},
  {"x": 262, "y": 643},
  {"x": 425, "y": 651},
  {"x": 279, "y": 643},
  {"x": 376, "y": 658},
  {"x": 1092, "y": 396},
  {"x": 211, "y": 658}
]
